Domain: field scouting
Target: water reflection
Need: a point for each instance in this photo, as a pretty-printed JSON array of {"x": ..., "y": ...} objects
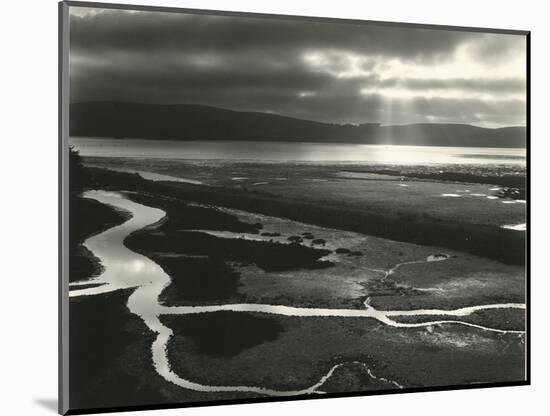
[
  {"x": 292, "y": 151},
  {"x": 516, "y": 227},
  {"x": 123, "y": 268}
]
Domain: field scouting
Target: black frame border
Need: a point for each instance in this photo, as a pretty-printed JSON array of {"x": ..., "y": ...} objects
[{"x": 63, "y": 89}]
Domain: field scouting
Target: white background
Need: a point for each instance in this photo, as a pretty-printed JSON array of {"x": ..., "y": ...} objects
[{"x": 28, "y": 162}]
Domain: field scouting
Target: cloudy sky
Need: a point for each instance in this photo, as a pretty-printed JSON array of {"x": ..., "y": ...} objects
[{"x": 329, "y": 72}]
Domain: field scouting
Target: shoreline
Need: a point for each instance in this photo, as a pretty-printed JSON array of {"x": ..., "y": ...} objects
[
  {"x": 84, "y": 265},
  {"x": 95, "y": 137}
]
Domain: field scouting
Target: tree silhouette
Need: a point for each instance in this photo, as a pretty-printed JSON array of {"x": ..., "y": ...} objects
[{"x": 76, "y": 171}]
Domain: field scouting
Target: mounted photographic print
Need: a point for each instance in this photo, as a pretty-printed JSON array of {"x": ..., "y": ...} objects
[{"x": 260, "y": 207}]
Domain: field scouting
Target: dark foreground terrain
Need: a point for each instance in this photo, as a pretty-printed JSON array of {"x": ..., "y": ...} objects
[
  {"x": 87, "y": 218},
  {"x": 227, "y": 244},
  {"x": 110, "y": 358}
]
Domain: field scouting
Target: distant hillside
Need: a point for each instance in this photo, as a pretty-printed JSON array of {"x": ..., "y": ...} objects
[{"x": 197, "y": 122}]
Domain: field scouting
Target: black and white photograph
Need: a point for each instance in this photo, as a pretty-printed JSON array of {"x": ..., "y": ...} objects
[{"x": 264, "y": 207}]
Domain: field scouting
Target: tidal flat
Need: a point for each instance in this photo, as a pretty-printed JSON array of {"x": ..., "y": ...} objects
[
  {"x": 397, "y": 207},
  {"x": 370, "y": 281}
]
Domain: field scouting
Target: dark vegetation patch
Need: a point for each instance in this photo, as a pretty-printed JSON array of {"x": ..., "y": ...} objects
[
  {"x": 181, "y": 215},
  {"x": 382, "y": 288},
  {"x": 110, "y": 362},
  {"x": 222, "y": 333},
  {"x": 268, "y": 256},
  {"x": 342, "y": 250},
  {"x": 104, "y": 367},
  {"x": 88, "y": 217},
  {"x": 295, "y": 239},
  {"x": 268, "y": 234},
  {"x": 197, "y": 279},
  {"x": 319, "y": 242},
  {"x": 82, "y": 264}
]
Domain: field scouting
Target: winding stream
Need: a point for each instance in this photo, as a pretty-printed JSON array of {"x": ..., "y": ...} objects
[{"x": 124, "y": 268}]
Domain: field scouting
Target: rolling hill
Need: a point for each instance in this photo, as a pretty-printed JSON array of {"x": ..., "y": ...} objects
[{"x": 197, "y": 122}]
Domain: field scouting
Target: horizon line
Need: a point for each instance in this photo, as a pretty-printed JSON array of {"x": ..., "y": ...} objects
[{"x": 373, "y": 123}]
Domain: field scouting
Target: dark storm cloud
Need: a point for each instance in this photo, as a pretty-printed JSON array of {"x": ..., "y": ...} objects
[
  {"x": 118, "y": 30},
  {"x": 309, "y": 70}
]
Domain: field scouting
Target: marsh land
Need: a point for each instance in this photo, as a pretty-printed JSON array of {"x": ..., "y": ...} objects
[{"x": 229, "y": 279}]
